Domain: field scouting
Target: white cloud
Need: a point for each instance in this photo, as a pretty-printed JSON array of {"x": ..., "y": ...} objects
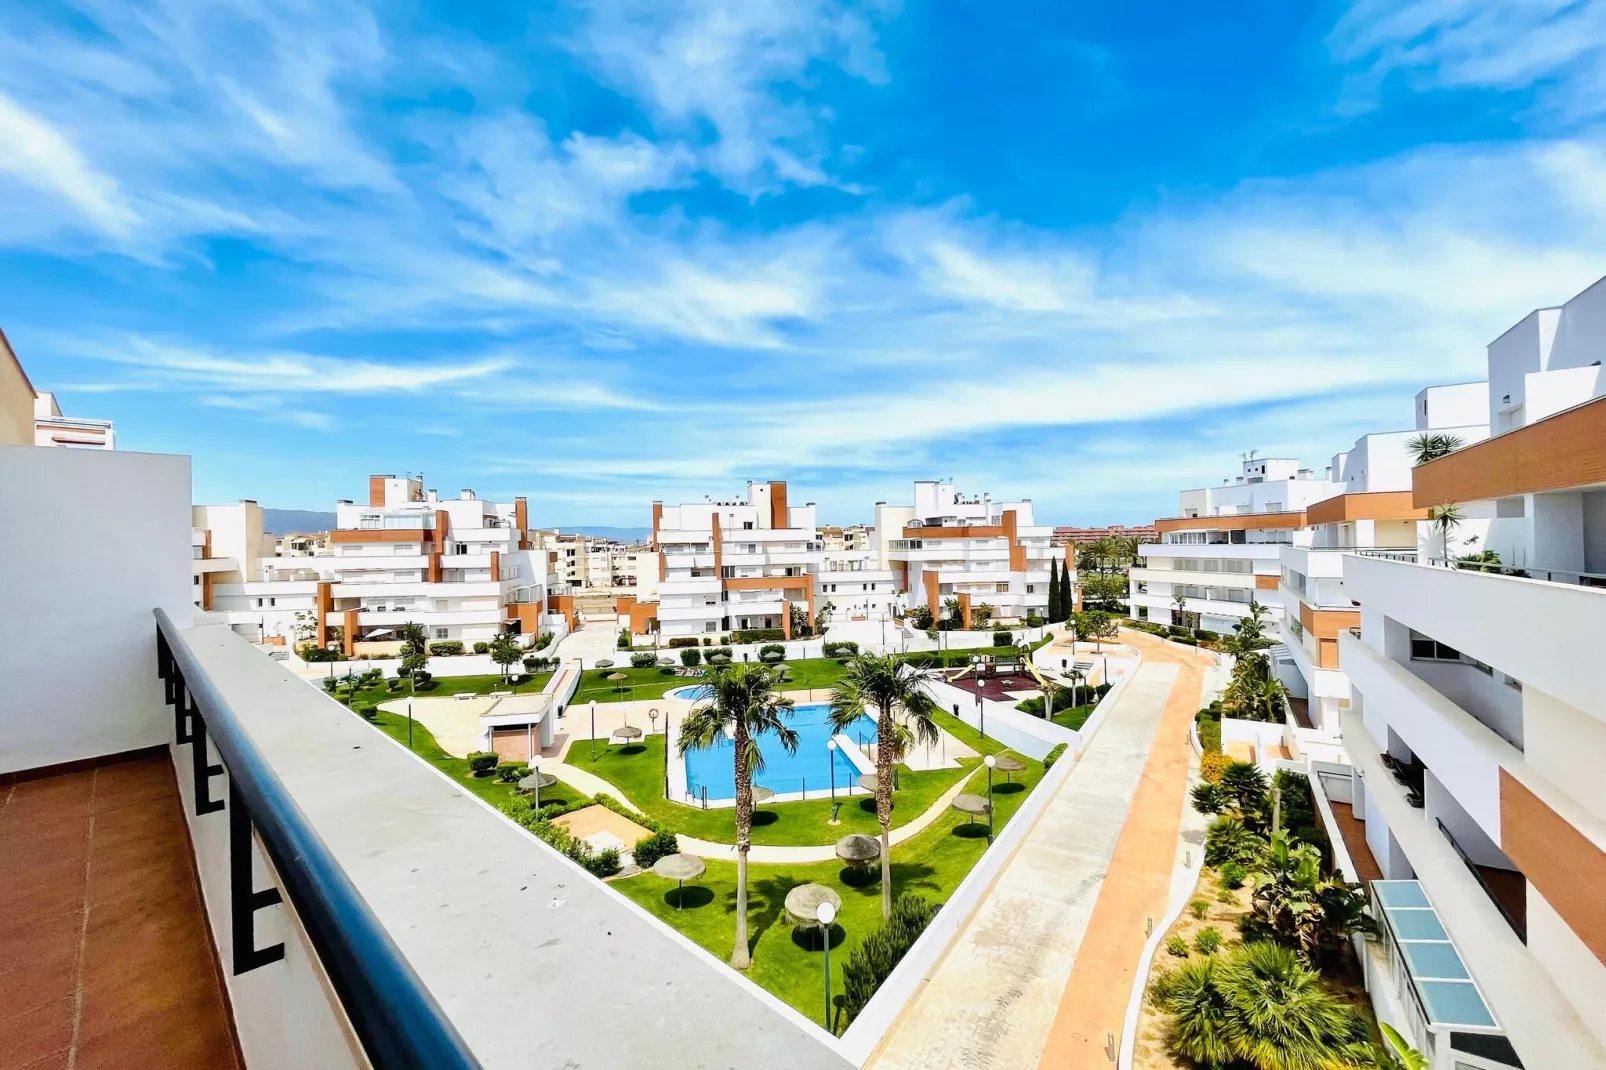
[
  {"x": 1557, "y": 45},
  {"x": 720, "y": 61},
  {"x": 37, "y": 154}
]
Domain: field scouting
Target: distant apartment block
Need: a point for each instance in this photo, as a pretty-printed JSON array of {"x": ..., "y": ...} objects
[
  {"x": 974, "y": 550},
  {"x": 1221, "y": 552},
  {"x": 1081, "y": 536},
  {"x": 461, "y": 567}
]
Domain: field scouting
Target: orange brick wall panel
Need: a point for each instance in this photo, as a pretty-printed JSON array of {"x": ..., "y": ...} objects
[
  {"x": 1378, "y": 505},
  {"x": 379, "y": 535},
  {"x": 778, "y": 511},
  {"x": 1266, "y": 583},
  {"x": 1560, "y": 452},
  {"x": 376, "y": 490},
  {"x": 1240, "y": 522},
  {"x": 1327, "y": 623},
  {"x": 1567, "y": 868}
]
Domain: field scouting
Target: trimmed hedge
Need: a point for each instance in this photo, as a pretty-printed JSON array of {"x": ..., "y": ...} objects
[
  {"x": 645, "y": 660},
  {"x": 683, "y": 640},
  {"x": 446, "y": 648},
  {"x": 691, "y": 657},
  {"x": 483, "y": 762},
  {"x": 1003, "y": 639},
  {"x": 482, "y": 647},
  {"x": 757, "y": 635},
  {"x": 771, "y": 648},
  {"x": 840, "y": 648},
  {"x": 1054, "y": 756}
]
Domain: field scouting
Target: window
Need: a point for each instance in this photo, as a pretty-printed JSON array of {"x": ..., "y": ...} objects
[
  {"x": 273, "y": 602},
  {"x": 747, "y": 525},
  {"x": 1425, "y": 649},
  {"x": 440, "y": 633},
  {"x": 1031, "y": 588},
  {"x": 259, "y": 601}
]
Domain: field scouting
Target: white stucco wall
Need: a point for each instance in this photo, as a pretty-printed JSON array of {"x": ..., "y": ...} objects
[{"x": 94, "y": 541}]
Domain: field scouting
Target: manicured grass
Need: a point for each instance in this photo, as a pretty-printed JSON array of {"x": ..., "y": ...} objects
[
  {"x": 1075, "y": 717},
  {"x": 488, "y": 788},
  {"x": 644, "y": 684},
  {"x": 791, "y": 964},
  {"x": 637, "y": 771},
  {"x": 447, "y": 686}
]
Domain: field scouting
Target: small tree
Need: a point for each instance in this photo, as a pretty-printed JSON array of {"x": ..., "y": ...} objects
[
  {"x": 802, "y": 627},
  {"x": 1444, "y": 519},
  {"x": 624, "y": 639},
  {"x": 1431, "y": 445},
  {"x": 505, "y": 651},
  {"x": 415, "y": 652},
  {"x": 1054, "y": 610}
]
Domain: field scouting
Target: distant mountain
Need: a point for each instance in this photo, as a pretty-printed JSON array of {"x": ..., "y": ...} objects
[
  {"x": 616, "y": 534},
  {"x": 280, "y": 521}
]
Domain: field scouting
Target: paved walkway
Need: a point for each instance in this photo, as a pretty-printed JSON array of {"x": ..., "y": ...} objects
[
  {"x": 992, "y": 999},
  {"x": 1137, "y": 886}
]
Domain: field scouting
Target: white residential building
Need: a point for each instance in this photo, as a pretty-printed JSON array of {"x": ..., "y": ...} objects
[
  {"x": 1477, "y": 727},
  {"x": 462, "y": 567},
  {"x": 729, "y": 565},
  {"x": 1221, "y": 553},
  {"x": 32, "y": 417},
  {"x": 975, "y": 550},
  {"x": 51, "y": 428},
  {"x": 1373, "y": 514},
  {"x": 854, "y": 585},
  {"x": 227, "y": 546}
]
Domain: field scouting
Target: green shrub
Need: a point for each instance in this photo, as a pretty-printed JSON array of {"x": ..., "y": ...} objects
[
  {"x": 1053, "y": 756},
  {"x": 757, "y": 635},
  {"x": 872, "y": 961},
  {"x": 840, "y": 648},
  {"x": 1199, "y": 908},
  {"x": 482, "y": 647},
  {"x": 483, "y": 762},
  {"x": 318, "y": 653},
  {"x": 1225, "y": 896},
  {"x": 771, "y": 648},
  {"x": 393, "y": 684},
  {"x": 510, "y": 772},
  {"x": 1177, "y": 946},
  {"x": 1208, "y": 798},
  {"x": 1003, "y": 639},
  {"x": 682, "y": 641},
  {"x": 666, "y": 670},
  {"x": 1210, "y": 736},
  {"x": 330, "y": 683},
  {"x": 446, "y": 648},
  {"x": 368, "y": 710},
  {"x": 644, "y": 660},
  {"x": 691, "y": 657},
  {"x": 1205, "y": 635},
  {"x": 1034, "y": 621},
  {"x": 543, "y": 640},
  {"x": 651, "y": 848},
  {"x": 1233, "y": 875},
  {"x": 345, "y": 700},
  {"x": 1230, "y": 840},
  {"x": 624, "y": 639},
  {"x": 1207, "y": 940},
  {"x": 708, "y": 640},
  {"x": 1185, "y": 640},
  {"x": 717, "y": 651}
]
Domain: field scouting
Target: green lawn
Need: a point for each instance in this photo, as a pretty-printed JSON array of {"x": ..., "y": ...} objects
[
  {"x": 651, "y": 683},
  {"x": 1076, "y": 716},
  {"x": 447, "y": 686},
  {"x": 790, "y": 964},
  {"x": 488, "y": 788},
  {"x": 638, "y": 772}
]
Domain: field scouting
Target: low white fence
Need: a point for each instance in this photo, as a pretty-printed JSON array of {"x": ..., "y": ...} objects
[{"x": 1031, "y": 736}]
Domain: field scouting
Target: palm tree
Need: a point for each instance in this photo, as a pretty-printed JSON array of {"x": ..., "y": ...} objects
[
  {"x": 1431, "y": 445},
  {"x": 1076, "y": 677},
  {"x": 415, "y": 651},
  {"x": 744, "y": 705},
  {"x": 1444, "y": 519},
  {"x": 1181, "y": 601},
  {"x": 903, "y": 717},
  {"x": 1280, "y": 1015},
  {"x": 1402, "y": 1055},
  {"x": 1199, "y": 1025}
]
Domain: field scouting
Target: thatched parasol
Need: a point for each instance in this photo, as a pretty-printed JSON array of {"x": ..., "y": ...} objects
[
  {"x": 761, "y": 794},
  {"x": 971, "y": 805},
  {"x": 618, "y": 679},
  {"x": 1009, "y": 764},
  {"x": 803, "y": 903},
  {"x": 679, "y": 868},
  {"x": 858, "y": 849},
  {"x": 868, "y": 782},
  {"x": 628, "y": 731},
  {"x": 536, "y": 781}
]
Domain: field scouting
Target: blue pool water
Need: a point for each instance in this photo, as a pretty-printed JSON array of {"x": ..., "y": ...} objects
[
  {"x": 810, "y": 766},
  {"x": 690, "y": 693}
]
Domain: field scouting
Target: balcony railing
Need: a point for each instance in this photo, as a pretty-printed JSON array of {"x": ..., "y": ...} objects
[
  {"x": 1518, "y": 925},
  {"x": 1548, "y": 575},
  {"x": 396, "y": 1020}
]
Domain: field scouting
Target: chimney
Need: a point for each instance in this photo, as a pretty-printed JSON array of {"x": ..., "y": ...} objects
[{"x": 465, "y": 495}]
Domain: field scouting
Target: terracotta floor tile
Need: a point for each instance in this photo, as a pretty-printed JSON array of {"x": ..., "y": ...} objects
[
  {"x": 160, "y": 882},
  {"x": 125, "y": 840},
  {"x": 127, "y": 793},
  {"x": 40, "y": 963},
  {"x": 46, "y": 820},
  {"x": 190, "y": 1036},
  {"x": 55, "y": 1061},
  {"x": 35, "y": 1033},
  {"x": 44, "y": 897},
  {"x": 43, "y": 868},
  {"x": 66, "y": 786}
]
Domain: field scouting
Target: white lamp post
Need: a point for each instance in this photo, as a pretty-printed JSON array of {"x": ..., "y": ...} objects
[
  {"x": 990, "y": 761},
  {"x": 593, "y": 730},
  {"x": 826, "y": 912},
  {"x": 830, "y": 746}
]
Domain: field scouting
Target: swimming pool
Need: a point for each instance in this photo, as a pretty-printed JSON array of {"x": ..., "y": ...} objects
[
  {"x": 808, "y": 769},
  {"x": 690, "y": 693}
]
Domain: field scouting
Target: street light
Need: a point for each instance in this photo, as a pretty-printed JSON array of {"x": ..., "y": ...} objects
[
  {"x": 990, "y": 761},
  {"x": 409, "y": 722},
  {"x": 826, "y": 912},
  {"x": 593, "y": 730},
  {"x": 830, "y": 745}
]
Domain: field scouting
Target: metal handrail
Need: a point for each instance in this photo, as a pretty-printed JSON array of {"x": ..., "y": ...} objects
[
  {"x": 1483, "y": 882},
  {"x": 1525, "y": 572},
  {"x": 395, "y": 1017}
]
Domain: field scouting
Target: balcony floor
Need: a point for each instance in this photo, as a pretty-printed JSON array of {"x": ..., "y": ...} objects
[
  {"x": 108, "y": 960},
  {"x": 1354, "y": 832}
]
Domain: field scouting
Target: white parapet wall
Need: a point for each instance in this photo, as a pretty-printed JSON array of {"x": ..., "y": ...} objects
[
  {"x": 94, "y": 540},
  {"x": 1031, "y": 736}
]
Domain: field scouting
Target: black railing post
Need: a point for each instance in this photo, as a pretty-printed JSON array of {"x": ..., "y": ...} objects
[
  {"x": 202, "y": 766},
  {"x": 244, "y": 900}
]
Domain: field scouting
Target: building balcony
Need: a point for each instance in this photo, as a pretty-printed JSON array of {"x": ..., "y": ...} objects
[
  {"x": 1472, "y": 612},
  {"x": 1559, "y": 453},
  {"x": 327, "y": 933},
  {"x": 1240, "y": 580}
]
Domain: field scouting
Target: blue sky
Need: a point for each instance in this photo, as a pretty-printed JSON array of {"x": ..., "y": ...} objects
[{"x": 616, "y": 251}]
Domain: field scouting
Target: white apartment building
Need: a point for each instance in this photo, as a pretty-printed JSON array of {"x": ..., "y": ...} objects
[
  {"x": 1222, "y": 551},
  {"x": 228, "y": 546},
  {"x": 462, "y": 567},
  {"x": 1372, "y": 514},
  {"x": 851, "y": 537},
  {"x": 975, "y": 550},
  {"x": 730, "y": 565},
  {"x": 32, "y": 417},
  {"x": 615, "y": 565},
  {"x": 1477, "y": 727},
  {"x": 854, "y": 586}
]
